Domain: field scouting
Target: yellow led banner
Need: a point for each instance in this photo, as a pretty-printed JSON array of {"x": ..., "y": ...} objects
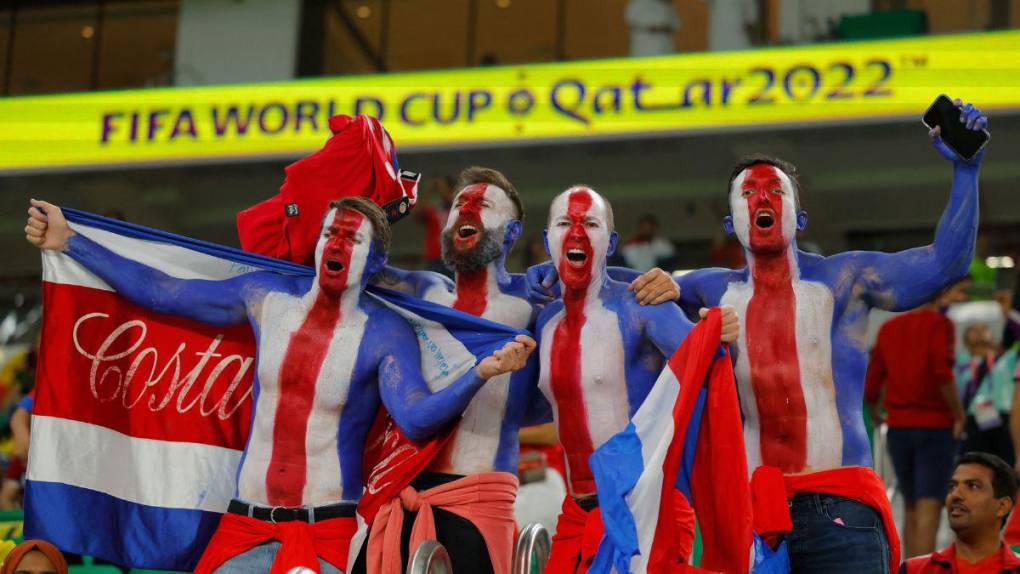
[{"x": 514, "y": 103}]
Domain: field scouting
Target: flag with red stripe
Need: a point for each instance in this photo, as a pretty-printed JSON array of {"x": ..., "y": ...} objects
[
  {"x": 141, "y": 418},
  {"x": 685, "y": 441}
]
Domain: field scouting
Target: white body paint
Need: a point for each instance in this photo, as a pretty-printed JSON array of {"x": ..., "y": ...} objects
[
  {"x": 814, "y": 306},
  {"x": 281, "y": 315},
  {"x": 475, "y": 444},
  {"x": 603, "y": 378}
]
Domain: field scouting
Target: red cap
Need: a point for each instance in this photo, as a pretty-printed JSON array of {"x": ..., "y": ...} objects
[{"x": 358, "y": 160}]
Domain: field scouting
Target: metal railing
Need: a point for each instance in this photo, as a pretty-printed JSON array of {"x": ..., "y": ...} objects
[
  {"x": 532, "y": 550},
  {"x": 430, "y": 558}
]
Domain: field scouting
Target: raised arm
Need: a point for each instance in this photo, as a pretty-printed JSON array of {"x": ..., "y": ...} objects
[
  {"x": 904, "y": 280},
  {"x": 214, "y": 302},
  {"x": 418, "y": 411}
]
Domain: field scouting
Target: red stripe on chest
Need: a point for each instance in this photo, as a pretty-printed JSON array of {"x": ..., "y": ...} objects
[
  {"x": 472, "y": 292},
  {"x": 306, "y": 352},
  {"x": 775, "y": 366},
  {"x": 568, "y": 391}
]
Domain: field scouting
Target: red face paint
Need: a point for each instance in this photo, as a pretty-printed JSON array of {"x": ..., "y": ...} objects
[
  {"x": 576, "y": 274},
  {"x": 565, "y": 360},
  {"x": 335, "y": 265},
  {"x": 775, "y": 366},
  {"x": 469, "y": 213},
  {"x": 764, "y": 208}
]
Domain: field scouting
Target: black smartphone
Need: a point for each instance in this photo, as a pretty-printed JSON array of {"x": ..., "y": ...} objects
[{"x": 945, "y": 114}]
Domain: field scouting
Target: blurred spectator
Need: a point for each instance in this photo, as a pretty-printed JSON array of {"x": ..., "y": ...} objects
[
  {"x": 34, "y": 557},
  {"x": 652, "y": 25},
  {"x": 734, "y": 24},
  {"x": 541, "y": 470},
  {"x": 984, "y": 379},
  {"x": 647, "y": 250},
  {"x": 912, "y": 362},
  {"x": 534, "y": 251},
  {"x": 982, "y": 493},
  {"x": 14, "y": 476},
  {"x": 439, "y": 191}
]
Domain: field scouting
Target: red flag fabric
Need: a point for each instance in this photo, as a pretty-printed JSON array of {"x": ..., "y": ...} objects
[{"x": 359, "y": 159}]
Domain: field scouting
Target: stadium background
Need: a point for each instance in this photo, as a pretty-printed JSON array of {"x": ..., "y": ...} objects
[{"x": 869, "y": 177}]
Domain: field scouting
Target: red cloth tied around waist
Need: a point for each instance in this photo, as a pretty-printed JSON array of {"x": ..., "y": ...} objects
[
  {"x": 577, "y": 538},
  {"x": 486, "y": 499},
  {"x": 770, "y": 490},
  {"x": 302, "y": 544}
]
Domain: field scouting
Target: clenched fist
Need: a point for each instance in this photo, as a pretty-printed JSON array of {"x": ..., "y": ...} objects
[
  {"x": 510, "y": 358},
  {"x": 730, "y": 323},
  {"x": 47, "y": 228}
]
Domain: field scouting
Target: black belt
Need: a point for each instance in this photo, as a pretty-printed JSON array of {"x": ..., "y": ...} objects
[
  {"x": 286, "y": 514},
  {"x": 588, "y": 503}
]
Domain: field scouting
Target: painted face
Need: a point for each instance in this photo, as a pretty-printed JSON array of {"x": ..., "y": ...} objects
[
  {"x": 764, "y": 210},
  {"x": 478, "y": 207},
  {"x": 342, "y": 251},
  {"x": 579, "y": 236}
]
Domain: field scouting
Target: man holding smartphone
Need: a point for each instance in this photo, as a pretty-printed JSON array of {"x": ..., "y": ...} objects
[{"x": 802, "y": 354}]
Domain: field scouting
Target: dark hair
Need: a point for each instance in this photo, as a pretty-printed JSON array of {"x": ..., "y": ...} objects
[
  {"x": 374, "y": 214},
  {"x": 758, "y": 158},
  {"x": 476, "y": 174},
  {"x": 1004, "y": 481}
]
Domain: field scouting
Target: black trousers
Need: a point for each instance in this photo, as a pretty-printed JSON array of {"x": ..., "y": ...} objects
[{"x": 461, "y": 538}]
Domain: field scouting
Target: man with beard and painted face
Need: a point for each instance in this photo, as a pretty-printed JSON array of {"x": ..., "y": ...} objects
[
  {"x": 327, "y": 357},
  {"x": 484, "y": 223},
  {"x": 802, "y": 356},
  {"x": 600, "y": 353}
]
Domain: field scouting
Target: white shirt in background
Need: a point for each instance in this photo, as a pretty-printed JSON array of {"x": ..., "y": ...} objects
[{"x": 652, "y": 25}]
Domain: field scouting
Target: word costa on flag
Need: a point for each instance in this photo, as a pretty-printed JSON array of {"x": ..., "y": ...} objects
[{"x": 449, "y": 108}]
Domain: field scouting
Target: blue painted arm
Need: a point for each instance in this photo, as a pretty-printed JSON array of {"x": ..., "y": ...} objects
[
  {"x": 622, "y": 274},
  {"x": 904, "y": 280},
  {"x": 417, "y": 410},
  {"x": 411, "y": 282},
  {"x": 666, "y": 326},
  {"x": 213, "y": 302}
]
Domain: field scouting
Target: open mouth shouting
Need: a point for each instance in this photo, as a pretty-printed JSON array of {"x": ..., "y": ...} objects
[
  {"x": 465, "y": 235},
  {"x": 334, "y": 266},
  {"x": 576, "y": 256},
  {"x": 465, "y": 231},
  {"x": 764, "y": 218}
]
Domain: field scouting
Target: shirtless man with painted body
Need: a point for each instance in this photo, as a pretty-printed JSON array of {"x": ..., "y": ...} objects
[
  {"x": 485, "y": 221},
  {"x": 600, "y": 353},
  {"x": 315, "y": 399}
]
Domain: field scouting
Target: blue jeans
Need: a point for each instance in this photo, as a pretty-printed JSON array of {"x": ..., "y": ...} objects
[
  {"x": 258, "y": 560},
  {"x": 833, "y": 534}
]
